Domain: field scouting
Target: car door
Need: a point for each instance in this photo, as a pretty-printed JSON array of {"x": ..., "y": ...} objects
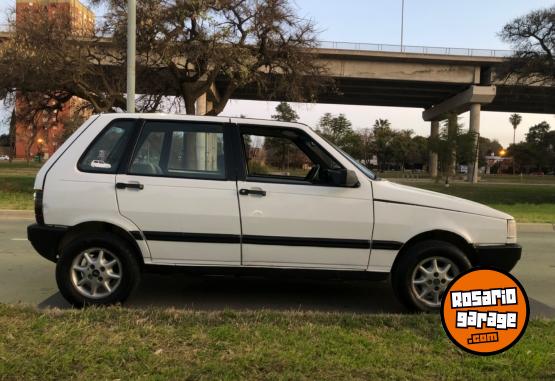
[
  {"x": 177, "y": 191},
  {"x": 292, "y": 217}
]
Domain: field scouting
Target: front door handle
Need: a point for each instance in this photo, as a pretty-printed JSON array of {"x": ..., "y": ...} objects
[
  {"x": 129, "y": 185},
  {"x": 246, "y": 192}
]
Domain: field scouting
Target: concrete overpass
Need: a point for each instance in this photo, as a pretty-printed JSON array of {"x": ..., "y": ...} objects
[{"x": 437, "y": 80}]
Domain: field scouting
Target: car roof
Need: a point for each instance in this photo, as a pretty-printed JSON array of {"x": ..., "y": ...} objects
[{"x": 216, "y": 119}]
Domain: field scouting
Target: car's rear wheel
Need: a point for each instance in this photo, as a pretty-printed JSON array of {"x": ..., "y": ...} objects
[
  {"x": 98, "y": 268},
  {"x": 424, "y": 272}
]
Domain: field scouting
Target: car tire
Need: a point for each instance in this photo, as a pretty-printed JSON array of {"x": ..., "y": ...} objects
[
  {"x": 417, "y": 283},
  {"x": 97, "y": 269}
]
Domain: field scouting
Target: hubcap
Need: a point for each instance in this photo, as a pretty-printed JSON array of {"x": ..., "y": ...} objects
[
  {"x": 431, "y": 277},
  {"x": 96, "y": 273}
]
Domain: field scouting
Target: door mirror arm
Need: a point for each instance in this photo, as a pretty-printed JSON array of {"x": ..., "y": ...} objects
[{"x": 342, "y": 177}]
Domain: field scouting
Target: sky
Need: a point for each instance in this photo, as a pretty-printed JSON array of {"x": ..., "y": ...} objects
[{"x": 438, "y": 23}]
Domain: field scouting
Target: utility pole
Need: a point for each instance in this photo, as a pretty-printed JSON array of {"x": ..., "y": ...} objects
[
  {"x": 402, "y": 21},
  {"x": 131, "y": 53}
]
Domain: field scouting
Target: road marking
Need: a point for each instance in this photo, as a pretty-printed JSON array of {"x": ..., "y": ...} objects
[{"x": 19, "y": 239}]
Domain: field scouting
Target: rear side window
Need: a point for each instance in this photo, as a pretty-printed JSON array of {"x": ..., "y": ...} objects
[
  {"x": 180, "y": 149},
  {"x": 105, "y": 153}
]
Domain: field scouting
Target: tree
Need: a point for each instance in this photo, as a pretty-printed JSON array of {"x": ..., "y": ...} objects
[
  {"x": 537, "y": 134},
  {"x": 453, "y": 146},
  {"x": 515, "y": 120},
  {"x": 4, "y": 140},
  {"x": 219, "y": 46},
  {"x": 533, "y": 38},
  {"x": 186, "y": 48},
  {"x": 285, "y": 113},
  {"x": 44, "y": 56},
  {"x": 539, "y": 138},
  {"x": 419, "y": 155},
  {"x": 383, "y": 135},
  {"x": 338, "y": 130},
  {"x": 367, "y": 145},
  {"x": 402, "y": 147}
]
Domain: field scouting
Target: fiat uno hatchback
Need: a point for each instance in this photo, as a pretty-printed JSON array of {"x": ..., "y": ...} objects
[{"x": 127, "y": 193}]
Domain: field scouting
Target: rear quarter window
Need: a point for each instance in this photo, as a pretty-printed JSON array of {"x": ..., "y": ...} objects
[{"x": 106, "y": 151}]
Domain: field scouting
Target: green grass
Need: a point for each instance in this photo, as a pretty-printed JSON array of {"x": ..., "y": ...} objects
[
  {"x": 16, "y": 184},
  {"x": 517, "y": 179},
  {"x": 16, "y": 191},
  {"x": 494, "y": 193},
  {"x": 535, "y": 213},
  {"x": 526, "y": 202},
  {"x": 525, "y": 179},
  {"x": 117, "y": 343}
]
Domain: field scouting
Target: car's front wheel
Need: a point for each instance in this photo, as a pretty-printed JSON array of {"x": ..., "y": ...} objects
[
  {"x": 424, "y": 272},
  {"x": 97, "y": 269}
]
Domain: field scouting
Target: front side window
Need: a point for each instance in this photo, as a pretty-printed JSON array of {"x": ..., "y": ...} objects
[
  {"x": 275, "y": 156},
  {"x": 105, "y": 153},
  {"x": 180, "y": 150},
  {"x": 285, "y": 154}
]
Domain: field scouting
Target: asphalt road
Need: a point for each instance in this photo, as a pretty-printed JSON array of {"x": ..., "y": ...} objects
[{"x": 28, "y": 278}]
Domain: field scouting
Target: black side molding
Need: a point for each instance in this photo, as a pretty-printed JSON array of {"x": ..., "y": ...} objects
[
  {"x": 190, "y": 237},
  {"x": 302, "y": 241},
  {"x": 386, "y": 245},
  {"x": 267, "y": 240}
]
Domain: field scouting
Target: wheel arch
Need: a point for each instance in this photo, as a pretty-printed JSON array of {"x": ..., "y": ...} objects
[
  {"x": 438, "y": 235},
  {"x": 98, "y": 227}
]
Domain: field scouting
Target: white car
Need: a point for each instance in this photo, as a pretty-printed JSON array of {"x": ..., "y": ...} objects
[
  {"x": 4, "y": 157},
  {"x": 229, "y": 195}
]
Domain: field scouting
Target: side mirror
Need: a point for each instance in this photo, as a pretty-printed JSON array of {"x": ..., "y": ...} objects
[{"x": 343, "y": 177}]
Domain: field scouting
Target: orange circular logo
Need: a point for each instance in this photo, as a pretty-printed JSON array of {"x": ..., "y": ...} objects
[{"x": 485, "y": 311}]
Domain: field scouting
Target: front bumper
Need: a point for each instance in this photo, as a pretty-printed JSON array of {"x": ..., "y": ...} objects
[
  {"x": 46, "y": 239},
  {"x": 503, "y": 257}
]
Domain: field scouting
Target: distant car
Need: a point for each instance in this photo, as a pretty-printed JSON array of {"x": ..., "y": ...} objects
[
  {"x": 4, "y": 157},
  {"x": 539, "y": 173}
]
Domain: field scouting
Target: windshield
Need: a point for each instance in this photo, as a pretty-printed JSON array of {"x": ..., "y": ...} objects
[{"x": 368, "y": 173}]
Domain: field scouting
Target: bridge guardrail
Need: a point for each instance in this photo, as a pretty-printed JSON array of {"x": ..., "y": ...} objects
[
  {"x": 361, "y": 46},
  {"x": 369, "y": 47}
]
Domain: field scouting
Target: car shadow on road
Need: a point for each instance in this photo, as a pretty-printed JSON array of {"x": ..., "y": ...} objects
[
  {"x": 213, "y": 293},
  {"x": 209, "y": 293}
]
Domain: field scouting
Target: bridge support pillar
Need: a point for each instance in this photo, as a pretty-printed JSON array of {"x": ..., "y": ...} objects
[
  {"x": 432, "y": 165},
  {"x": 475, "y": 109},
  {"x": 452, "y": 126}
]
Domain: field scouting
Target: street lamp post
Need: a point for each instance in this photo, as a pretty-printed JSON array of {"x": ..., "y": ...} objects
[
  {"x": 402, "y": 22},
  {"x": 131, "y": 52}
]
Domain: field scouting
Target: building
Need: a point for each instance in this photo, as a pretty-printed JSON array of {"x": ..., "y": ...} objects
[
  {"x": 43, "y": 133},
  {"x": 80, "y": 17}
]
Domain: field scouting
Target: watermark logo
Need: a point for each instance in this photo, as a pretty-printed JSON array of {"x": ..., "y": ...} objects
[{"x": 485, "y": 311}]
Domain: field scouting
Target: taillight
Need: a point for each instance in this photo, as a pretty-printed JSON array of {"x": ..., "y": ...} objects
[{"x": 39, "y": 217}]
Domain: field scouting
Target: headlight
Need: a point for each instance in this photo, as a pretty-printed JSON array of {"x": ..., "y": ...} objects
[{"x": 511, "y": 229}]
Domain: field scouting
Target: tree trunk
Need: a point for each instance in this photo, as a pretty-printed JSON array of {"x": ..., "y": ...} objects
[
  {"x": 12, "y": 135},
  {"x": 514, "y": 142},
  {"x": 190, "y": 106}
]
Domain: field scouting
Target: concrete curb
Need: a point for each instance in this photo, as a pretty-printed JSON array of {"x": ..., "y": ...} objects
[
  {"x": 16, "y": 214},
  {"x": 535, "y": 228}
]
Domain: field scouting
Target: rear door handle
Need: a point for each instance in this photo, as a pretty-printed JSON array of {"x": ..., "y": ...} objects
[
  {"x": 129, "y": 185},
  {"x": 246, "y": 192}
]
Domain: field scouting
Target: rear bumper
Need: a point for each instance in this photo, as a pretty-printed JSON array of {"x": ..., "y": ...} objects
[
  {"x": 503, "y": 257},
  {"x": 46, "y": 239}
]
